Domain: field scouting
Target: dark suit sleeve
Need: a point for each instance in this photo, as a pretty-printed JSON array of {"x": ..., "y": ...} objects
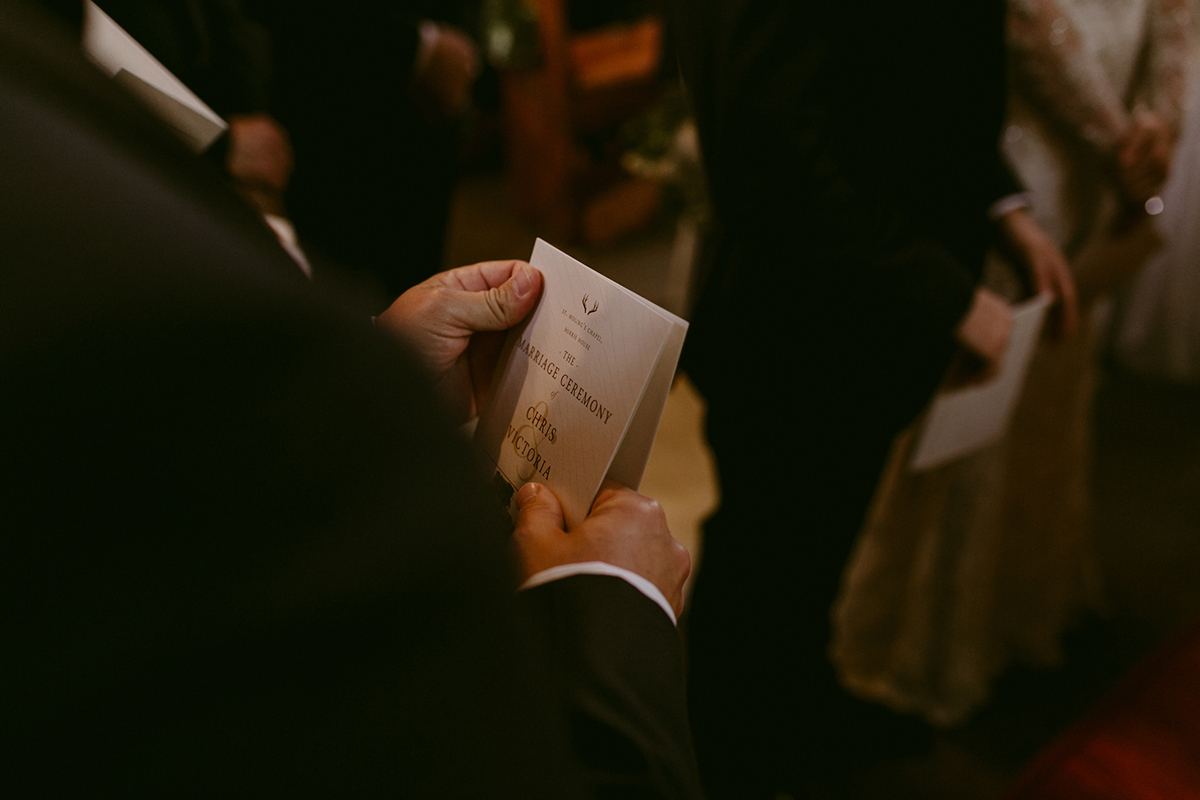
[{"x": 616, "y": 664}]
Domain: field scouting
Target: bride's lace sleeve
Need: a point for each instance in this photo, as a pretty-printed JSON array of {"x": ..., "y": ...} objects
[
  {"x": 1169, "y": 27},
  {"x": 1050, "y": 65}
]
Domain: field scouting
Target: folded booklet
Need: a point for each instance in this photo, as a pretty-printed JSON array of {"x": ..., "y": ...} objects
[
  {"x": 580, "y": 387},
  {"x": 120, "y": 55},
  {"x": 964, "y": 420}
]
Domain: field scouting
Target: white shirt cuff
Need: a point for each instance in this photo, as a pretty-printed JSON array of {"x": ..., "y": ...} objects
[
  {"x": 286, "y": 233},
  {"x": 603, "y": 568},
  {"x": 1008, "y": 204}
]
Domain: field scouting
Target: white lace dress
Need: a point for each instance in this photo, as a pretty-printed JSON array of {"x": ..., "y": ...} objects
[
  {"x": 1156, "y": 328},
  {"x": 962, "y": 569}
]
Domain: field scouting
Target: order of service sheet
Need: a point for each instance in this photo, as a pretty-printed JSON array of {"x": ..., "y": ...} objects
[{"x": 580, "y": 387}]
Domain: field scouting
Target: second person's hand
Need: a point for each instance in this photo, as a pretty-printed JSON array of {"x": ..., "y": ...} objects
[{"x": 984, "y": 332}]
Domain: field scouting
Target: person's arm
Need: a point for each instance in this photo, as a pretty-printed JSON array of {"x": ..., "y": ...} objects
[
  {"x": 446, "y": 66},
  {"x": 836, "y": 169},
  {"x": 614, "y": 653},
  {"x": 1169, "y": 39},
  {"x": 1044, "y": 264},
  {"x": 1051, "y": 66},
  {"x": 1055, "y": 71},
  {"x": 455, "y": 323},
  {"x": 617, "y": 669},
  {"x": 615, "y": 657},
  {"x": 1145, "y": 159},
  {"x": 331, "y": 611}
]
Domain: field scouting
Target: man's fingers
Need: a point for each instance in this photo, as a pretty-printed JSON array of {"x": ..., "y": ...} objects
[
  {"x": 482, "y": 276},
  {"x": 500, "y": 307},
  {"x": 538, "y": 511},
  {"x": 609, "y": 490},
  {"x": 1055, "y": 278},
  {"x": 538, "y": 537}
]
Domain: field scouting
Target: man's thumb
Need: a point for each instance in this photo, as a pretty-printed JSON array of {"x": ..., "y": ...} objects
[
  {"x": 538, "y": 510},
  {"x": 504, "y": 306}
]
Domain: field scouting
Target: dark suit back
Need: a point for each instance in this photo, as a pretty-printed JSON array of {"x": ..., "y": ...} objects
[
  {"x": 852, "y": 154},
  {"x": 242, "y": 552}
]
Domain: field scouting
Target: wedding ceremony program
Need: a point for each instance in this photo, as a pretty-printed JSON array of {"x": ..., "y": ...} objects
[{"x": 580, "y": 387}]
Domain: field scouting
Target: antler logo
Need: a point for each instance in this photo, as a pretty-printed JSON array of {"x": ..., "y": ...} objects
[{"x": 586, "y": 310}]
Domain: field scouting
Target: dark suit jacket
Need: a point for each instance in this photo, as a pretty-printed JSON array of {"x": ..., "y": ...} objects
[
  {"x": 242, "y": 553},
  {"x": 852, "y": 152}
]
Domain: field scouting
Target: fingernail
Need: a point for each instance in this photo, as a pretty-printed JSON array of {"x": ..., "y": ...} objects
[
  {"x": 527, "y": 493},
  {"x": 523, "y": 281}
]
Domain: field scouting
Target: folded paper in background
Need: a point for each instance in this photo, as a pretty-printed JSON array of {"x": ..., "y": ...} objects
[
  {"x": 116, "y": 52},
  {"x": 580, "y": 387},
  {"x": 967, "y": 419}
]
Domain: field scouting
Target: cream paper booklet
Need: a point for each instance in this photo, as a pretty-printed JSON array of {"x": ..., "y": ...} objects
[
  {"x": 117, "y": 53},
  {"x": 964, "y": 420},
  {"x": 580, "y": 387}
]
